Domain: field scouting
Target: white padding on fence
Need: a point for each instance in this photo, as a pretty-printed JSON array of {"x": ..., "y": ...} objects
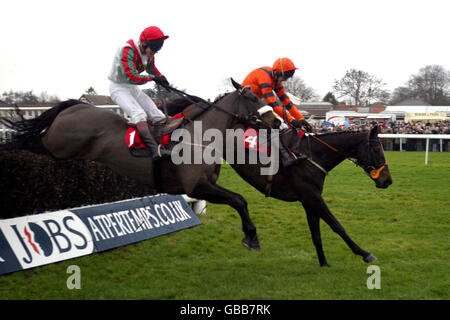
[{"x": 198, "y": 206}]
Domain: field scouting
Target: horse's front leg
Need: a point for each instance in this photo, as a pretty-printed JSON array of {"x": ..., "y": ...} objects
[
  {"x": 314, "y": 228},
  {"x": 217, "y": 194},
  {"x": 317, "y": 206}
]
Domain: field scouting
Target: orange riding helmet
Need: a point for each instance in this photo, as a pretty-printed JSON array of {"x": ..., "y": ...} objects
[{"x": 284, "y": 67}]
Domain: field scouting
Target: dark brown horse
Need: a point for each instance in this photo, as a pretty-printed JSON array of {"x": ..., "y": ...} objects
[
  {"x": 304, "y": 181},
  {"x": 75, "y": 130}
]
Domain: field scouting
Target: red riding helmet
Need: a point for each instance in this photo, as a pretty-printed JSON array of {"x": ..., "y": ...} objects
[
  {"x": 153, "y": 38},
  {"x": 152, "y": 33}
]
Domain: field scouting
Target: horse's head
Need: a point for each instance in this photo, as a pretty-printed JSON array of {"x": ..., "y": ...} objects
[
  {"x": 251, "y": 106},
  {"x": 248, "y": 102},
  {"x": 269, "y": 118},
  {"x": 370, "y": 156}
]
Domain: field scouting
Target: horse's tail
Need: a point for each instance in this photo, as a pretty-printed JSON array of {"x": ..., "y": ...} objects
[{"x": 27, "y": 133}]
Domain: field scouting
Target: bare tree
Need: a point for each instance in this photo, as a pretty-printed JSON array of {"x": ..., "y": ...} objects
[
  {"x": 44, "y": 97},
  {"x": 20, "y": 97},
  {"x": 431, "y": 83},
  {"x": 298, "y": 88},
  {"x": 361, "y": 87},
  {"x": 400, "y": 94}
]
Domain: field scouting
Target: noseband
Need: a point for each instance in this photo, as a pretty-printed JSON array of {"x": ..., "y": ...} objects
[{"x": 373, "y": 171}]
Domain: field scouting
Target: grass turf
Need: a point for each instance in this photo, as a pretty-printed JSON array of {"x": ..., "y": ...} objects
[{"x": 406, "y": 226}]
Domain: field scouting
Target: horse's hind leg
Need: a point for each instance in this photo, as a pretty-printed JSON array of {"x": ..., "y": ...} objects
[{"x": 217, "y": 194}]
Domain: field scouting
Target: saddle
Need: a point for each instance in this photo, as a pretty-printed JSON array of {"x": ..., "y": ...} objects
[
  {"x": 164, "y": 128},
  {"x": 161, "y": 132},
  {"x": 289, "y": 141}
]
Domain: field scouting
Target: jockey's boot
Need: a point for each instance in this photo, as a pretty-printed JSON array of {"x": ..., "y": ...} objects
[
  {"x": 150, "y": 141},
  {"x": 286, "y": 159}
]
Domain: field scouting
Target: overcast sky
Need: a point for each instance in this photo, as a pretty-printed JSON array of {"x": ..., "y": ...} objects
[{"x": 64, "y": 47}]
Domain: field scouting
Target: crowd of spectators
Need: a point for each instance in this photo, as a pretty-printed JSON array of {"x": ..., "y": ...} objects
[
  {"x": 395, "y": 127},
  {"x": 400, "y": 127},
  {"x": 441, "y": 127}
]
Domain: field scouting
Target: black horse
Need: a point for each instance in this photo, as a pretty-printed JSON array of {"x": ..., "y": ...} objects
[{"x": 304, "y": 181}]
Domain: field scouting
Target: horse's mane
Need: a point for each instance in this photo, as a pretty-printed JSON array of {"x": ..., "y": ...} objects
[
  {"x": 178, "y": 105},
  {"x": 220, "y": 97}
]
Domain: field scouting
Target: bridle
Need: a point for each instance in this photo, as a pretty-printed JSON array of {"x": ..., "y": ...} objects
[{"x": 372, "y": 171}]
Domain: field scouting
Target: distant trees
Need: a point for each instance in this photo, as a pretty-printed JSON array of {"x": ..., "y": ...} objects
[
  {"x": 329, "y": 97},
  {"x": 44, "y": 97},
  {"x": 298, "y": 88},
  {"x": 28, "y": 97},
  {"x": 361, "y": 88},
  {"x": 431, "y": 84},
  {"x": 90, "y": 90},
  {"x": 158, "y": 92}
]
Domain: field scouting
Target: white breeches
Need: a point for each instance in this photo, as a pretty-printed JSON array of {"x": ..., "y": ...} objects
[{"x": 135, "y": 103}]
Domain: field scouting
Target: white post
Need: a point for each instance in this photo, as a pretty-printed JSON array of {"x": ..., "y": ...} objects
[
  {"x": 401, "y": 144},
  {"x": 426, "y": 151},
  {"x": 440, "y": 143}
]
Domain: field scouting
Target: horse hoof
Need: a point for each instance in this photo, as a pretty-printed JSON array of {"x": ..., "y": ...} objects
[
  {"x": 370, "y": 258},
  {"x": 251, "y": 244},
  {"x": 325, "y": 265}
]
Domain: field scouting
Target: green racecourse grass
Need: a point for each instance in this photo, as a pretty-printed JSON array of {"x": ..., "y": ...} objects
[{"x": 405, "y": 226}]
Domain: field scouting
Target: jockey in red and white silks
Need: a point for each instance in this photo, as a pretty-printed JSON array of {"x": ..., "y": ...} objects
[
  {"x": 131, "y": 59},
  {"x": 125, "y": 76}
]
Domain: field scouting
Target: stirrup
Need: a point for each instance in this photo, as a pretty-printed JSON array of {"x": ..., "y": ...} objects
[
  {"x": 163, "y": 152},
  {"x": 299, "y": 156},
  {"x": 287, "y": 162}
]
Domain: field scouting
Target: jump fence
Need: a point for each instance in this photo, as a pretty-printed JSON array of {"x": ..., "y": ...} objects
[{"x": 198, "y": 206}]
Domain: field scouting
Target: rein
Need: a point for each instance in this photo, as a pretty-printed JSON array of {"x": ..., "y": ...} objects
[
  {"x": 245, "y": 119},
  {"x": 371, "y": 171}
]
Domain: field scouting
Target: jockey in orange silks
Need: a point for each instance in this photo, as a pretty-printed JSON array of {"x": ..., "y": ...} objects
[{"x": 267, "y": 80}]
